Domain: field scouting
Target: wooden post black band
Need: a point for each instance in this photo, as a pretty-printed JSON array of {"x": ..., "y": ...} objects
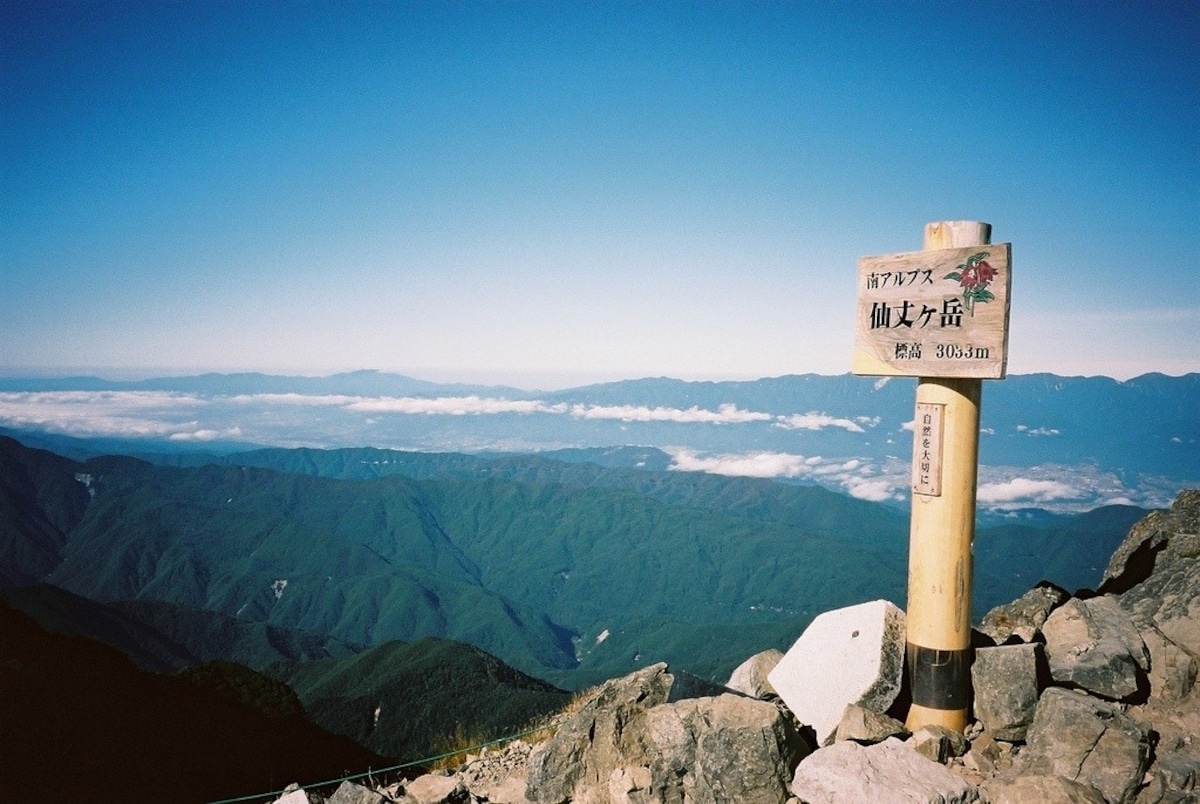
[{"x": 939, "y": 679}]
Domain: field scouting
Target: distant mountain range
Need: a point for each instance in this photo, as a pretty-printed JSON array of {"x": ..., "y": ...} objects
[{"x": 1062, "y": 444}]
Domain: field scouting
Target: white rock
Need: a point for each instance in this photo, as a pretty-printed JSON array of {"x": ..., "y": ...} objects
[
  {"x": 750, "y": 677},
  {"x": 889, "y": 772},
  {"x": 432, "y": 788},
  {"x": 847, "y": 656}
]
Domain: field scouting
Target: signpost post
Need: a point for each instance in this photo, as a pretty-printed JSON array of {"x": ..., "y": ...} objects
[{"x": 940, "y": 315}]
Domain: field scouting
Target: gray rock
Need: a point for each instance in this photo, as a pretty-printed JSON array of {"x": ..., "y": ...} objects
[
  {"x": 866, "y": 726},
  {"x": 853, "y": 655},
  {"x": 627, "y": 743},
  {"x": 713, "y": 750},
  {"x": 938, "y": 743},
  {"x": 1174, "y": 779},
  {"x": 436, "y": 789},
  {"x": 1137, "y": 557},
  {"x": 589, "y": 746},
  {"x": 1005, "y": 683},
  {"x": 1086, "y": 740},
  {"x": 1022, "y": 619},
  {"x": 499, "y": 775},
  {"x": 750, "y": 677},
  {"x": 889, "y": 772},
  {"x": 1172, "y": 669},
  {"x": 1093, "y": 644},
  {"x": 1175, "y": 775},
  {"x": 1156, "y": 571},
  {"x": 1039, "y": 790},
  {"x": 351, "y": 793},
  {"x": 988, "y": 756},
  {"x": 630, "y": 785}
]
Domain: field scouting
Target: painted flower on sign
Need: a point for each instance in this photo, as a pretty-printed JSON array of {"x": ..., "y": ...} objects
[{"x": 974, "y": 276}]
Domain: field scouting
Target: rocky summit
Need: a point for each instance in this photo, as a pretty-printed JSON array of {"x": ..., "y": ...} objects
[{"x": 1078, "y": 698}]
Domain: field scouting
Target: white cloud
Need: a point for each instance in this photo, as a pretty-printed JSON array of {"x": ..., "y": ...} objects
[
  {"x": 875, "y": 489},
  {"x": 451, "y": 406},
  {"x": 754, "y": 464},
  {"x": 313, "y": 400},
  {"x": 1039, "y": 431},
  {"x": 1025, "y": 490},
  {"x": 838, "y": 468},
  {"x": 231, "y": 433},
  {"x": 816, "y": 421},
  {"x": 725, "y": 414},
  {"x": 132, "y": 414}
]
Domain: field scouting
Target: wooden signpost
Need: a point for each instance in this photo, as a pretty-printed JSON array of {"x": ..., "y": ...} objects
[{"x": 940, "y": 315}]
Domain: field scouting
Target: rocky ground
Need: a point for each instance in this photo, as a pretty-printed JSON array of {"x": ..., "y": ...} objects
[{"x": 1078, "y": 698}]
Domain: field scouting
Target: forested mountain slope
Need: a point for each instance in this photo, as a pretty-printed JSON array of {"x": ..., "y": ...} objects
[{"x": 568, "y": 571}]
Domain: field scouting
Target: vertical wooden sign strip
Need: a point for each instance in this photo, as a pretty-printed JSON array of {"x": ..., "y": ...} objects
[{"x": 927, "y": 449}]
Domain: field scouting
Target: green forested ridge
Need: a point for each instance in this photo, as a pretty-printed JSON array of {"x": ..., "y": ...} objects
[
  {"x": 398, "y": 699},
  {"x": 166, "y": 637},
  {"x": 569, "y": 570},
  {"x": 271, "y": 697}
]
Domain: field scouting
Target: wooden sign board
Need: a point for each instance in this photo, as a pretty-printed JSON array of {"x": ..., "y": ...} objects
[{"x": 934, "y": 313}]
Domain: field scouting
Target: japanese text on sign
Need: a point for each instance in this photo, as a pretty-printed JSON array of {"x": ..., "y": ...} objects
[
  {"x": 934, "y": 313},
  {"x": 927, "y": 449}
]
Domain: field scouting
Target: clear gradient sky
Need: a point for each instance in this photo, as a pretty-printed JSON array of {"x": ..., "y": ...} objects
[{"x": 547, "y": 194}]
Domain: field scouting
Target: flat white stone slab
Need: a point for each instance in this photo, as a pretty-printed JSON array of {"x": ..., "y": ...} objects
[
  {"x": 890, "y": 772},
  {"x": 846, "y": 656}
]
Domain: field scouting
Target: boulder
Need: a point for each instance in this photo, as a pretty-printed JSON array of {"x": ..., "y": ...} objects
[
  {"x": 988, "y": 756},
  {"x": 629, "y": 743},
  {"x": 713, "y": 750},
  {"x": 938, "y": 743},
  {"x": 750, "y": 677},
  {"x": 351, "y": 793},
  {"x": 293, "y": 794},
  {"x": 590, "y": 745},
  {"x": 853, "y": 655},
  {"x": 865, "y": 726},
  {"x": 1087, "y": 740},
  {"x": 1175, "y": 775},
  {"x": 1138, "y": 555},
  {"x": 1172, "y": 668},
  {"x": 1039, "y": 790},
  {"x": 1022, "y": 620},
  {"x": 1093, "y": 644},
  {"x": 434, "y": 788},
  {"x": 889, "y": 772},
  {"x": 1005, "y": 683},
  {"x": 1174, "y": 778},
  {"x": 1156, "y": 571}
]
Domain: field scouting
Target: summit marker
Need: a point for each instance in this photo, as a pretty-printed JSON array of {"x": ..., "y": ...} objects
[{"x": 940, "y": 315}]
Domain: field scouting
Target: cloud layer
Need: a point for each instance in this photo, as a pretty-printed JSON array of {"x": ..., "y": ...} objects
[{"x": 113, "y": 412}]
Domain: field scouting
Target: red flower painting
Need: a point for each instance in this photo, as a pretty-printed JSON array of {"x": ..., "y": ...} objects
[{"x": 974, "y": 276}]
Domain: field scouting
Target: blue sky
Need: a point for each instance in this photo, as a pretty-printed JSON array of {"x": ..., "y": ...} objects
[{"x": 547, "y": 194}]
